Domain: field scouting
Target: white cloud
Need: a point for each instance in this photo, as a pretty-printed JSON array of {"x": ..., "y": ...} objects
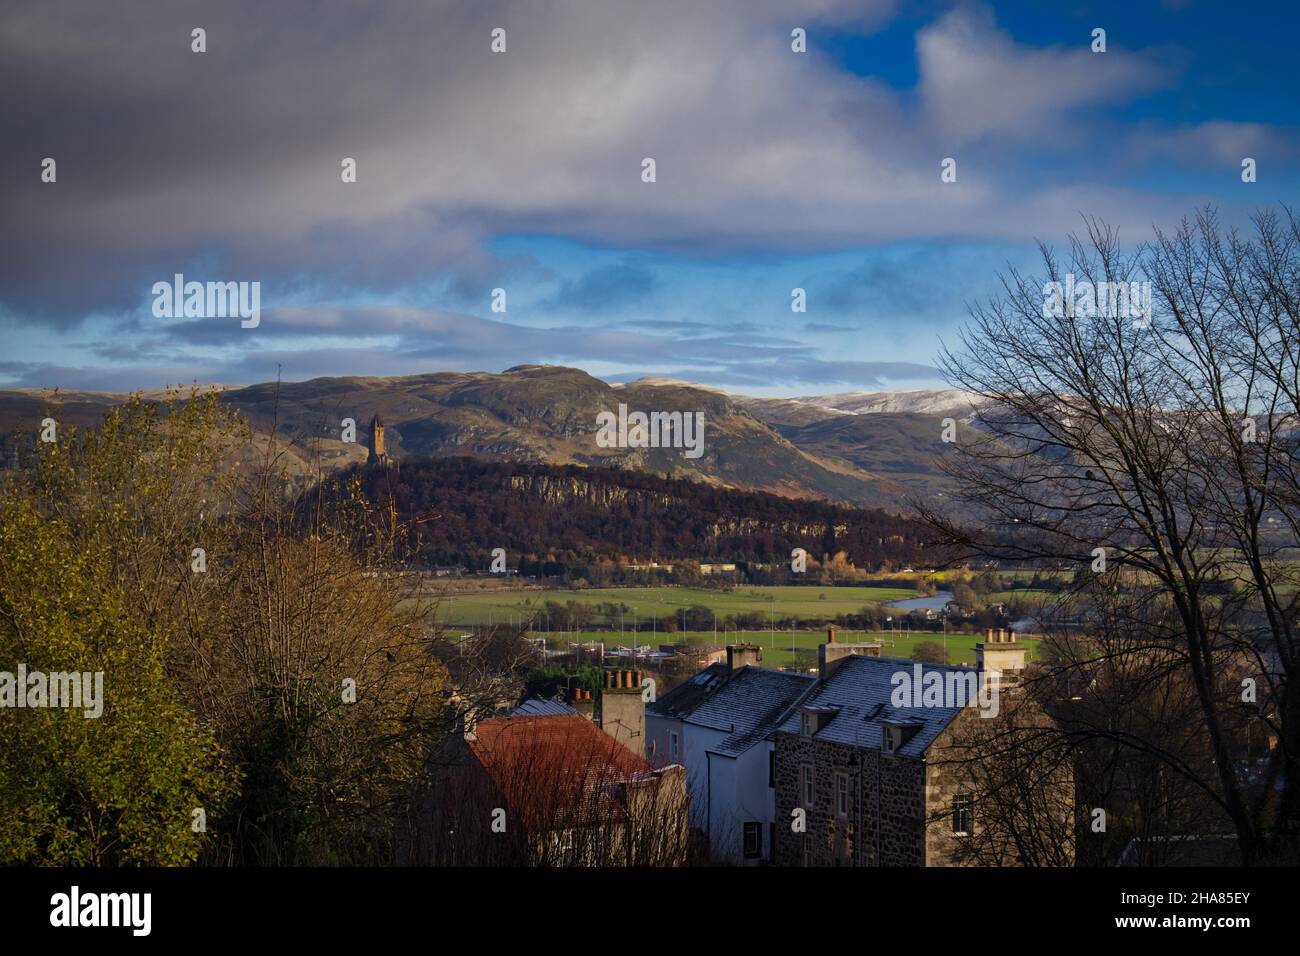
[{"x": 977, "y": 82}]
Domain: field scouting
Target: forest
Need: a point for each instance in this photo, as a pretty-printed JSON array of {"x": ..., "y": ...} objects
[{"x": 570, "y": 520}]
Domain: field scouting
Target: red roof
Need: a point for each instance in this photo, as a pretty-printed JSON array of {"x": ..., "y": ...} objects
[{"x": 545, "y": 767}]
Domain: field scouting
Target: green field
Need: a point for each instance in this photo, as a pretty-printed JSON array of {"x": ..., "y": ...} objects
[
  {"x": 518, "y": 607},
  {"x": 496, "y": 607}
]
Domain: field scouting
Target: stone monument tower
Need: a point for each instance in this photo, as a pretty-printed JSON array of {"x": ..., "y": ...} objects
[{"x": 377, "y": 454}]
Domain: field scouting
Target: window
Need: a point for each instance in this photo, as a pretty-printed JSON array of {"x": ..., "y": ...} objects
[
  {"x": 809, "y": 725},
  {"x": 806, "y": 776},
  {"x": 963, "y": 814},
  {"x": 842, "y": 795},
  {"x": 672, "y": 744},
  {"x": 771, "y": 768},
  {"x": 807, "y": 852},
  {"x": 889, "y": 741},
  {"x": 753, "y": 841}
]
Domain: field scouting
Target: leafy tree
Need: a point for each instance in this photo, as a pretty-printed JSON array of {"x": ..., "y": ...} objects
[{"x": 120, "y": 788}]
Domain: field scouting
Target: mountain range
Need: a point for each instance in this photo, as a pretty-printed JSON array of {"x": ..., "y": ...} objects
[{"x": 869, "y": 449}]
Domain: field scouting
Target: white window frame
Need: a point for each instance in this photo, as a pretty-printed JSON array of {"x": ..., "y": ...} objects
[
  {"x": 968, "y": 809},
  {"x": 807, "y": 786},
  {"x": 841, "y": 794}
]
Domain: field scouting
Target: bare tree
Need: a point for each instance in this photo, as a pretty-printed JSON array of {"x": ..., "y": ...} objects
[{"x": 1156, "y": 455}]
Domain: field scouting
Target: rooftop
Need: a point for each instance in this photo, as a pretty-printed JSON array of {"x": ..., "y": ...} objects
[
  {"x": 555, "y": 764},
  {"x": 537, "y": 707},
  {"x": 861, "y": 688},
  {"x": 748, "y": 706}
]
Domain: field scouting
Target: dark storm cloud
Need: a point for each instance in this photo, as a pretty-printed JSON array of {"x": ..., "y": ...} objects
[{"x": 228, "y": 162}]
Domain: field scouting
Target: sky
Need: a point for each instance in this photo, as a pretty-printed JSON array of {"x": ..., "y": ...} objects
[{"x": 523, "y": 171}]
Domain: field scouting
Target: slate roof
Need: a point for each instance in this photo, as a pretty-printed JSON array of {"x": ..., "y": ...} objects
[
  {"x": 861, "y": 688},
  {"x": 537, "y": 707},
  {"x": 680, "y": 702},
  {"x": 748, "y": 706}
]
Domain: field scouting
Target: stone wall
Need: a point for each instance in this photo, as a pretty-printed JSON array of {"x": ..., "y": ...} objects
[{"x": 885, "y": 814}]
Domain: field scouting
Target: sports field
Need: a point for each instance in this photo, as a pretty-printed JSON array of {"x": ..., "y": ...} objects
[{"x": 497, "y": 607}]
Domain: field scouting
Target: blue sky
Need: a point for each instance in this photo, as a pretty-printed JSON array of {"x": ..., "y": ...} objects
[{"x": 522, "y": 171}]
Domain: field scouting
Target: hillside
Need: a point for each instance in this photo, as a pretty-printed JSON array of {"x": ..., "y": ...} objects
[
  {"x": 550, "y": 518},
  {"x": 548, "y": 414},
  {"x": 866, "y": 449}
]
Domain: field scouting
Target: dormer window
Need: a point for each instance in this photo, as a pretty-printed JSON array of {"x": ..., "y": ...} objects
[
  {"x": 814, "y": 719},
  {"x": 895, "y": 733}
]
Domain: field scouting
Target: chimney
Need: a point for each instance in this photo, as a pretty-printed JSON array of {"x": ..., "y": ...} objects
[
  {"x": 830, "y": 655},
  {"x": 582, "y": 703},
  {"x": 1001, "y": 654},
  {"x": 742, "y": 655},
  {"x": 622, "y": 710}
]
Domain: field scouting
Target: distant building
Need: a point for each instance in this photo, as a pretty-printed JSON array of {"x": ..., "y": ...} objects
[{"x": 378, "y": 455}]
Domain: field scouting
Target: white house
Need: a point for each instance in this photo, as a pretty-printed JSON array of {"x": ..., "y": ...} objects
[{"x": 718, "y": 724}]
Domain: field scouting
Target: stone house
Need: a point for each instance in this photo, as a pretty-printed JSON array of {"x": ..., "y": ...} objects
[{"x": 869, "y": 774}]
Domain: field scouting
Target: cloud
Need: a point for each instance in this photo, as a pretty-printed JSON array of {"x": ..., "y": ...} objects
[
  {"x": 977, "y": 82},
  {"x": 1216, "y": 143},
  {"x": 229, "y": 160},
  {"x": 607, "y": 288},
  {"x": 225, "y": 166},
  {"x": 425, "y": 340}
]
